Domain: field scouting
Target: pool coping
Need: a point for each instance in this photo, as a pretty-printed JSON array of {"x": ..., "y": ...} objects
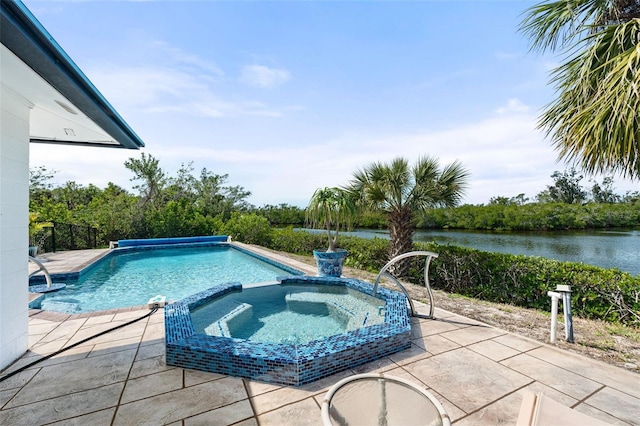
[{"x": 286, "y": 364}]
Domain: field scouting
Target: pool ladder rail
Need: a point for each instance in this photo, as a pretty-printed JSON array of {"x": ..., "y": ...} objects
[
  {"x": 384, "y": 273},
  {"x": 50, "y": 286}
]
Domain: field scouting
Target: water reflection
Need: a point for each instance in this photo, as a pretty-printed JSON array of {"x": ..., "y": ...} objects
[
  {"x": 609, "y": 249},
  {"x": 605, "y": 248}
]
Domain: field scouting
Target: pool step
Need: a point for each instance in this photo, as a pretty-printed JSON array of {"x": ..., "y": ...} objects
[
  {"x": 234, "y": 318},
  {"x": 351, "y": 317}
]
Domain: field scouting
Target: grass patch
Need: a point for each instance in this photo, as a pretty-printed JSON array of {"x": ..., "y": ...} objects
[
  {"x": 604, "y": 345},
  {"x": 631, "y": 333},
  {"x": 459, "y": 296}
]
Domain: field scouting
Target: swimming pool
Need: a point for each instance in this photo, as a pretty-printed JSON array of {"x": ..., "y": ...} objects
[
  {"x": 131, "y": 276},
  {"x": 290, "y": 314}
]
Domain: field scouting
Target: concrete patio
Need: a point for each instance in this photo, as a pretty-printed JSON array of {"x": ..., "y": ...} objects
[{"x": 479, "y": 373}]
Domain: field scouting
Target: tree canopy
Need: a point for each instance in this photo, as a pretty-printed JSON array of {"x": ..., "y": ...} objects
[{"x": 594, "y": 120}]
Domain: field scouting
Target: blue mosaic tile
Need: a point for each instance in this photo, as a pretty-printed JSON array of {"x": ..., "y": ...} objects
[{"x": 281, "y": 363}]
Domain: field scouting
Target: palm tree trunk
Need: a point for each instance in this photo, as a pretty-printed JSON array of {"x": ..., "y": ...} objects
[{"x": 401, "y": 233}]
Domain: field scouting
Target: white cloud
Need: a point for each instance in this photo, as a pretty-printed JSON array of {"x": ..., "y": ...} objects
[
  {"x": 513, "y": 106},
  {"x": 169, "y": 90},
  {"x": 505, "y": 154},
  {"x": 167, "y": 79},
  {"x": 178, "y": 56},
  {"x": 84, "y": 165},
  {"x": 263, "y": 77}
]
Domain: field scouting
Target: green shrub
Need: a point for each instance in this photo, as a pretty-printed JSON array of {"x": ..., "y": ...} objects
[
  {"x": 605, "y": 294},
  {"x": 367, "y": 254},
  {"x": 249, "y": 228},
  {"x": 297, "y": 242},
  {"x": 597, "y": 293}
]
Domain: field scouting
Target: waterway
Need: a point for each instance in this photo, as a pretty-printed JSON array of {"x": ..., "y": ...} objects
[{"x": 605, "y": 248}]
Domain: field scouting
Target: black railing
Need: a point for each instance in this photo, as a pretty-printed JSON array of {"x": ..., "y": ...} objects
[{"x": 67, "y": 236}]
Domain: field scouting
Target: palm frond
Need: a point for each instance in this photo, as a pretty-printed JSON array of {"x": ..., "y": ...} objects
[
  {"x": 426, "y": 190},
  {"x": 331, "y": 208},
  {"x": 454, "y": 181},
  {"x": 400, "y": 191},
  {"x": 554, "y": 25},
  {"x": 594, "y": 121}
]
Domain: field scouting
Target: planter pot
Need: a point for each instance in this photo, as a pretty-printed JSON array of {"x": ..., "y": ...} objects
[
  {"x": 33, "y": 250},
  {"x": 330, "y": 263}
]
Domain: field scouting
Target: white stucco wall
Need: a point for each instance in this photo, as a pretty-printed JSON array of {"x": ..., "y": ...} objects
[{"x": 14, "y": 218}]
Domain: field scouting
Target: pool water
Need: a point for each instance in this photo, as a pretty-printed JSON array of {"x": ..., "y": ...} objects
[
  {"x": 289, "y": 314},
  {"x": 131, "y": 277}
]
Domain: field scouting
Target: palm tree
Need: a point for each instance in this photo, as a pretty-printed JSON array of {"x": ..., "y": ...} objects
[
  {"x": 594, "y": 121},
  {"x": 401, "y": 191},
  {"x": 331, "y": 208}
]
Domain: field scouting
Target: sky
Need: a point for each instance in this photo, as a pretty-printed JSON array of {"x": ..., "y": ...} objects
[{"x": 289, "y": 96}]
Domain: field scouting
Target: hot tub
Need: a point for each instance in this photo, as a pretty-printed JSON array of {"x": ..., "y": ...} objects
[{"x": 226, "y": 329}]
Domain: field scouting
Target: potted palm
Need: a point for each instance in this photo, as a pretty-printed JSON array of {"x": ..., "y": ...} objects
[{"x": 332, "y": 209}]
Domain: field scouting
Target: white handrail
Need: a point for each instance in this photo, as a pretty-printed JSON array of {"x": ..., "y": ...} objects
[
  {"x": 41, "y": 268},
  {"x": 383, "y": 271}
]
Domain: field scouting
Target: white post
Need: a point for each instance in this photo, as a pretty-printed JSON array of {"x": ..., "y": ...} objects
[
  {"x": 14, "y": 222},
  {"x": 566, "y": 305},
  {"x": 554, "y": 312}
]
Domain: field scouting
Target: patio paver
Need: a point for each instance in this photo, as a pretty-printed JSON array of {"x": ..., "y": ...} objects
[{"x": 479, "y": 373}]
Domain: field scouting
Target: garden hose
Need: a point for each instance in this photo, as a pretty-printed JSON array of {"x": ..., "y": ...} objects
[{"x": 21, "y": 369}]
